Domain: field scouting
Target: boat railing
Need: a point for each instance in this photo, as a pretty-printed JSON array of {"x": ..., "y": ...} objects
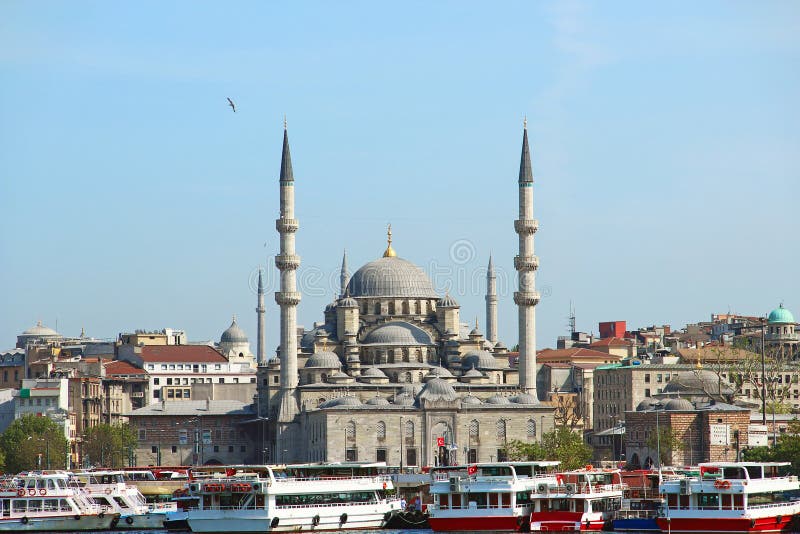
[
  {"x": 641, "y": 493},
  {"x": 634, "y": 514},
  {"x": 377, "y": 478},
  {"x": 748, "y": 507},
  {"x": 583, "y": 489}
]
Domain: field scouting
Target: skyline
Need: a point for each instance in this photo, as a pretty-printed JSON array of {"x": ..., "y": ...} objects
[{"x": 135, "y": 198}]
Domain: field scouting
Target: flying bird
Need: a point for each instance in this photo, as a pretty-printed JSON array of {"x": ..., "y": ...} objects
[{"x": 232, "y": 105}]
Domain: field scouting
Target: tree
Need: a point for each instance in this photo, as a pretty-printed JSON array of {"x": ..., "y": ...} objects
[
  {"x": 666, "y": 442},
  {"x": 787, "y": 449},
  {"x": 108, "y": 445},
  {"x": 561, "y": 444},
  {"x": 33, "y": 442},
  {"x": 567, "y": 411}
]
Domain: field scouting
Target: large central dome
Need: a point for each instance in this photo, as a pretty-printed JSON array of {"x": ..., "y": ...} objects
[{"x": 391, "y": 277}]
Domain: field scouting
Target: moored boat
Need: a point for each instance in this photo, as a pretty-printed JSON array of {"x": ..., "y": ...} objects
[
  {"x": 49, "y": 502},
  {"x": 731, "y": 497},
  {"x": 489, "y": 497}
]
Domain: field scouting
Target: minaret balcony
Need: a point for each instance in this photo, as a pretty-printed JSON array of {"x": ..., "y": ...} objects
[
  {"x": 287, "y": 298},
  {"x": 526, "y": 298},
  {"x": 491, "y": 298},
  {"x": 526, "y": 263},
  {"x": 286, "y": 262},
  {"x": 287, "y": 226},
  {"x": 526, "y": 226}
]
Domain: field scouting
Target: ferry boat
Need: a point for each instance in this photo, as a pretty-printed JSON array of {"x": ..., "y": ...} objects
[
  {"x": 731, "y": 497},
  {"x": 581, "y": 500},
  {"x": 110, "y": 490},
  {"x": 488, "y": 497},
  {"x": 641, "y": 501},
  {"x": 296, "y": 498},
  {"x": 49, "y": 502}
]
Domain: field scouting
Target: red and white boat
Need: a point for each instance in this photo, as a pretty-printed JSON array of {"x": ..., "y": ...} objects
[
  {"x": 580, "y": 500},
  {"x": 731, "y": 497},
  {"x": 488, "y": 497}
]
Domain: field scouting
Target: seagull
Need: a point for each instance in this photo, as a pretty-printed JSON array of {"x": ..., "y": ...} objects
[{"x": 232, "y": 105}]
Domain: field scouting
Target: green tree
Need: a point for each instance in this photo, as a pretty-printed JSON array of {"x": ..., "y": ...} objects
[
  {"x": 787, "y": 449},
  {"x": 108, "y": 445},
  {"x": 667, "y": 442},
  {"x": 561, "y": 444},
  {"x": 33, "y": 442}
]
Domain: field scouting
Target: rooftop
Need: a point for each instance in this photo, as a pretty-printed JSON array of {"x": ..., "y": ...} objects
[{"x": 181, "y": 353}]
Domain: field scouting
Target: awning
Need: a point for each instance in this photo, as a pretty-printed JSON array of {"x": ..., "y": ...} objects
[{"x": 613, "y": 431}]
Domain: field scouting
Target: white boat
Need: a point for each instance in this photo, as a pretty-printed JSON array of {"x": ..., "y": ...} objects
[
  {"x": 489, "y": 497},
  {"x": 110, "y": 490},
  {"x": 308, "y": 497},
  {"x": 581, "y": 500},
  {"x": 49, "y": 502},
  {"x": 731, "y": 497}
]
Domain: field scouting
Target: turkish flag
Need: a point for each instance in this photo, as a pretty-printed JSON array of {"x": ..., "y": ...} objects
[
  {"x": 472, "y": 469},
  {"x": 440, "y": 442}
]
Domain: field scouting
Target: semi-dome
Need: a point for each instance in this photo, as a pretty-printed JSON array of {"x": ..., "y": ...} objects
[
  {"x": 324, "y": 359},
  {"x": 678, "y": 405},
  {"x": 525, "y": 398},
  {"x": 377, "y": 401},
  {"x": 373, "y": 372},
  {"x": 348, "y": 302},
  {"x": 439, "y": 372},
  {"x": 447, "y": 302},
  {"x": 347, "y": 400},
  {"x": 403, "y": 399},
  {"x": 391, "y": 277},
  {"x": 398, "y": 333},
  {"x": 473, "y": 373},
  {"x": 780, "y": 315},
  {"x": 40, "y": 330},
  {"x": 411, "y": 389},
  {"x": 479, "y": 359},
  {"x": 471, "y": 400},
  {"x": 234, "y": 334},
  {"x": 648, "y": 403},
  {"x": 438, "y": 389},
  {"x": 498, "y": 399}
]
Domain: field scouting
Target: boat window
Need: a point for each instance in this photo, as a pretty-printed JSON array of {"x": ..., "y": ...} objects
[
  {"x": 523, "y": 497},
  {"x": 19, "y": 505},
  {"x": 523, "y": 470},
  {"x": 754, "y": 471},
  {"x": 51, "y": 505},
  {"x": 121, "y": 502},
  {"x": 51, "y": 484},
  {"x": 560, "y": 505},
  {"x": 31, "y": 483},
  {"x": 708, "y": 500},
  {"x": 478, "y": 498},
  {"x": 496, "y": 471},
  {"x": 734, "y": 473},
  {"x": 102, "y": 501},
  {"x": 755, "y": 499},
  {"x": 61, "y": 483},
  {"x": 64, "y": 505}
]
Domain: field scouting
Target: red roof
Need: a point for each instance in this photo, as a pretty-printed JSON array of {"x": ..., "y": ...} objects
[
  {"x": 119, "y": 367},
  {"x": 181, "y": 353},
  {"x": 610, "y": 342}
]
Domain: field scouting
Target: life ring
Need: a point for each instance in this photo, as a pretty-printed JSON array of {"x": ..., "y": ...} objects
[
  {"x": 24, "y": 520},
  {"x": 31, "y": 492},
  {"x": 315, "y": 520},
  {"x": 274, "y": 522},
  {"x": 77, "y": 517},
  {"x": 726, "y": 484},
  {"x": 342, "y": 519},
  {"x": 101, "y": 515},
  {"x": 21, "y": 492},
  {"x": 129, "y": 520},
  {"x": 384, "y": 485},
  {"x": 589, "y": 467},
  {"x": 718, "y": 483},
  {"x": 108, "y": 491},
  {"x": 42, "y": 491}
]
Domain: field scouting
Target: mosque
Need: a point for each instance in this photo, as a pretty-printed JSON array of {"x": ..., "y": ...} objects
[{"x": 391, "y": 373}]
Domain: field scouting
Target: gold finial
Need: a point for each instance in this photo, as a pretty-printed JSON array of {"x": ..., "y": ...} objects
[
  {"x": 389, "y": 253},
  {"x": 699, "y": 363},
  {"x": 234, "y": 317},
  {"x": 525, "y": 122}
]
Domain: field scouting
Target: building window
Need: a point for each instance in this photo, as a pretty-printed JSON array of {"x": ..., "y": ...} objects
[
  {"x": 501, "y": 429},
  {"x": 472, "y": 456},
  {"x": 647, "y": 392},
  {"x": 156, "y": 393},
  {"x": 187, "y": 393},
  {"x": 350, "y": 454},
  {"x": 275, "y": 379},
  {"x": 221, "y": 380},
  {"x": 474, "y": 430},
  {"x": 411, "y": 456},
  {"x": 163, "y": 367},
  {"x": 169, "y": 381},
  {"x": 243, "y": 448},
  {"x": 380, "y": 455},
  {"x": 230, "y": 448},
  {"x": 350, "y": 432},
  {"x": 408, "y": 433},
  {"x": 647, "y": 378},
  {"x": 142, "y": 434},
  {"x": 216, "y": 448},
  {"x": 156, "y": 381},
  {"x": 172, "y": 367},
  {"x": 174, "y": 449},
  {"x": 531, "y": 429},
  {"x": 154, "y": 449},
  {"x": 380, "y": 431},
  {"x": 217, "y": 367}
]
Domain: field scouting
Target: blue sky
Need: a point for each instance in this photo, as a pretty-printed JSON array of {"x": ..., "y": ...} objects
[{"x": 664, "y": 138}]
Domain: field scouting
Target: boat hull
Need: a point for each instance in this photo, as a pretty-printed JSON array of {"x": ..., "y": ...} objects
[
  {"x": 462, "y": 523},
  {"x": 141, "y": 521},
  {"x": 66, "y": 523},
  {"x": 290, "y": 520},
  {"x": 727, "y": 525},
  {"x": 566, "y": 521},
  {"x": 636, "y": 525}
]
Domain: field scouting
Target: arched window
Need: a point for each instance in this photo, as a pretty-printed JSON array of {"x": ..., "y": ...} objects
[
  {"x": 377, "y": 308},
  {"x": 531, "y": 429},
  {"x": 320, "y": 401},
  {"x": 380, "y": 430},
  {"x": 324, "y": 378},
  {"x": 405, "y": 355},
  {"x": 421, "y": 376},
  {"x": 501, "y": 429},
  {"x": 474, "y": 429},
  {"x": 406, "y": 308},
  {"x": 408, "y": 377},
  {"x": 350, "y": 432},
  {"x": 408, "y": 432}
]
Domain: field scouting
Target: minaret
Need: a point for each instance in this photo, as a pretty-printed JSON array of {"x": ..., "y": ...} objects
[
  {"x": 526, "y": 263},
  {"x": 344, "y": 277},
  {"x": 491, "y": 303},
  {"x": 287, "y": 298},
  {"x": 260, "y": 310}
]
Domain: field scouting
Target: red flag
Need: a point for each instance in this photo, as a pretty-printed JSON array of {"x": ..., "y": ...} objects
[
  {"x": 472, "y": 469},
  {"x": 229, "y": 472},
  {"x": 440, "y": 442}
]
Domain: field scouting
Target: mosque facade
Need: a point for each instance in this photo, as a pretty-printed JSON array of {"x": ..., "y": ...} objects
[{"x": 391, "y": 373}]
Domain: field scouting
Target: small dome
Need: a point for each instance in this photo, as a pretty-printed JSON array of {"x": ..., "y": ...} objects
[
  {"x": 439, "y": 372},
  {"x": 275, "y": 360},
  {"x": 497, "y": 399},
  {"x": 678, "y": 405},
  {"x": 469, "y": 399},
  {"x": 347, "y": 400},
  {"x": 780, "y": 315},
  {"x": 324, "y": 359},
  {"x": 411, "y": 389},
  {"x": 447, "y": 302},
  {"x": 373, "y": 372},
  {"x": 479, "y": 359},
  {"x": 330, "y": 307},
  {"x": 500, "y": 346},
  {"x": 391, "y": 277},
  {"x": 525, "y": 398},
  {"x": 377, "y": 401},
  {"x": 310, "y": 336},
  {"x": 348, "y": 302},
  {"x": 234, "y": 334},
  {"x": 646, "y": 404},
  {"x": 403, "y": 399},
  {"x": 398, "y": 333},
  {"x": 698, "y": 382},
  {"x": 438, "y": 390},
  {"x": 40, "y": 330}
]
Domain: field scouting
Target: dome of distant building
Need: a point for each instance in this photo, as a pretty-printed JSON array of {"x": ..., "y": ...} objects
[
  {"x": 438, "y": 389},
  {"x": 377, "y": 401},
  {"x": 403, "y": 399},
  {"x": 479, "y": 359},
  {"x": 698, "y": 382},
  {"x": 309, "y": 336},
  {"x": 498, "y": 399},
  {"x": 373, "y": 372},
  {"x": 398, "y": 333},
  {"x": 525, "y": 398},
  {"x": 678, "y": 405},
  {"x": 648, "y": 403},
  {"x": 438, "y": 372},
  {"x": 40, "y": 331},
  {"x": 391, "y": 277},
  {"x": 447, "y": 302},
  {"x": 324, "y": 359},
  {"x": 347, "y": 400},
  {"x": 471, "y": 400},
  {"x": 780, "y": 315},
  {"x": 234, "y": 334}
]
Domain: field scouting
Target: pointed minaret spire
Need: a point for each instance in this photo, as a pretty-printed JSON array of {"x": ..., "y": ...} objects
[
  {"x": 525, "y": 172},
  {"x": 286, "y": 157},
  {"x": 491, "y": 303},
  {"x": 344, "y": 276},
  {"x": 526, "y": 298},
  {"x": 260, "y": 310}
]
